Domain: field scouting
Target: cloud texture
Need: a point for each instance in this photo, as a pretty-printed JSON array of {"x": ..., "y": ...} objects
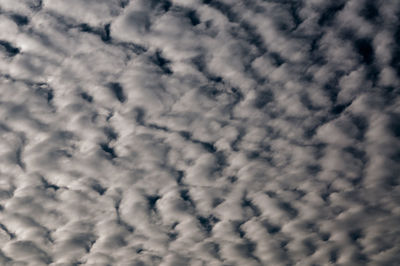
[{"x": 188, "y": 132}]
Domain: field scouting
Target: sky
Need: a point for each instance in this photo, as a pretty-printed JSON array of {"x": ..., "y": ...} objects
[{"x": 200, "y": 132}]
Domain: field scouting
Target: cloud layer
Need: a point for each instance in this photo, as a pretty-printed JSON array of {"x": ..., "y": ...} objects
[{"x": 212, "y": 132}]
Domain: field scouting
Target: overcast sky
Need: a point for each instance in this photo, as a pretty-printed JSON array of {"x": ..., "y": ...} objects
[{"x": 189, "y": 132}]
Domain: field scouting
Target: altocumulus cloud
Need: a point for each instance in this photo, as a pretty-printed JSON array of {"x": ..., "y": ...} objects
[{"x": 212, "y": 132}]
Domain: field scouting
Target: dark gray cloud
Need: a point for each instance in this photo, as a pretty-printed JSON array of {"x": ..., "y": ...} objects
[{"x": 210, "y": 132}]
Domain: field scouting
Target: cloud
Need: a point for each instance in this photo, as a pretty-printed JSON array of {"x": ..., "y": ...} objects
[{"x": 199, "y": 132}]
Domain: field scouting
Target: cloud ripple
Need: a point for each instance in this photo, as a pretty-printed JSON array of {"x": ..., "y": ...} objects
[{"x": 209, "y": 132}]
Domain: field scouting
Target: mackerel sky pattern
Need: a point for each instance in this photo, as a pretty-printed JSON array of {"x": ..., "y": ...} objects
[{"x": 189, "y": 132}]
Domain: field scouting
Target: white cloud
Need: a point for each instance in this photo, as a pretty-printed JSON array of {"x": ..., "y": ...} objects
[{"x": 199, "y": 133}]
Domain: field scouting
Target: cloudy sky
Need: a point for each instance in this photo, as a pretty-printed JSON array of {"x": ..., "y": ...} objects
[{"x": 200, "y": 132}]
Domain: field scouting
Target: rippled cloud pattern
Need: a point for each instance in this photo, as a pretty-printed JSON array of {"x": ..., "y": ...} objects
[{"x": 189, "y": 132}]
